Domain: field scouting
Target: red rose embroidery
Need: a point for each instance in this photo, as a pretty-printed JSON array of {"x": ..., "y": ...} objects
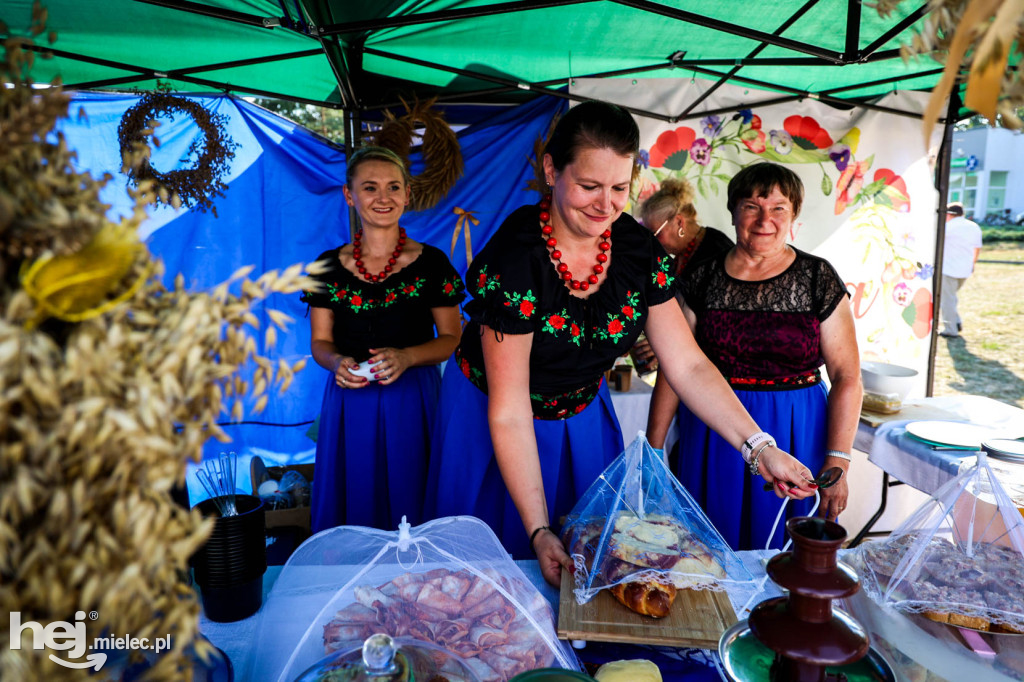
[
  {"x": 628, "y": 311},
  {"x": 448, "y": 288},
  {"x": 556, "y": 321},
  {"x": 409, "y": 289},
  {"x": 580, "y": 408},
  {"x": 614, "y": 327},
  {"x": 526, "y": 308},
  {"x": 390, "y": 297},
  {"x": 357, "y": 301},
  {"x": 483, "y": 280},
  {"x": 662, "y": 280},
  {"x": 574, "y": 329}
]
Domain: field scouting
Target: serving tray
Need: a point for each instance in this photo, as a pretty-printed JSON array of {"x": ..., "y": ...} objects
[{"x": 697, "y": 619}]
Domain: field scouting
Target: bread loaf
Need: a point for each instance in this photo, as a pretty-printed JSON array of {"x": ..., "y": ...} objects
[
  {"x": 638, "y": 670},
  {"x": 646, "y": 598}
]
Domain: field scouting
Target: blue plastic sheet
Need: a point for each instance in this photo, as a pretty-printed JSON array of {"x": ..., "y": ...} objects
[{"x": 284, "y": 205}]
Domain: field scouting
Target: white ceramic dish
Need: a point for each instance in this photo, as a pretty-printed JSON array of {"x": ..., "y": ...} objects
[
  {"x": 951, "y": 434},
  {"x": 883, "y": 378}
]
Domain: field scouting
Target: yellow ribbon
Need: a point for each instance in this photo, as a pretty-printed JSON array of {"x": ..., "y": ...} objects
[
  {"x": 465, "y": 218},
  {"x": 76, "y": 286}
]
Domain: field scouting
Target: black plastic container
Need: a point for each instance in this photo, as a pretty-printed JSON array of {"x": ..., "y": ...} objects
[{"x": 229, "y": 567}]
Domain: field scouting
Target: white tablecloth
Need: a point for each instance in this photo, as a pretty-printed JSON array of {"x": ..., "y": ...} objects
[{"x": 922, "y": 466}]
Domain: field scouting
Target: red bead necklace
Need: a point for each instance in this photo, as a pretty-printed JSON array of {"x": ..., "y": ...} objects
[
  {"x": 556, "y": 255},
  {"x": 357, "y": 254}
]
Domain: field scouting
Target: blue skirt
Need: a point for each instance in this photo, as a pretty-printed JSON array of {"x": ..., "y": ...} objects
[
  {"x": 372, "y": 449},
  {"x": 718, "y": 478},
  {"x": 464, "y": 477}
]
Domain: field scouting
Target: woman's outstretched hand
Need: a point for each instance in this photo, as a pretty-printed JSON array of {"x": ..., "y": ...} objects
[
  {"x": 552, "y": 557},
  {"x": 788, "y": 476}
]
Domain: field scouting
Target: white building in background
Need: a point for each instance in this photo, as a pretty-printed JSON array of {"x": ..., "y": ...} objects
[{"x": 987, "y": 172}]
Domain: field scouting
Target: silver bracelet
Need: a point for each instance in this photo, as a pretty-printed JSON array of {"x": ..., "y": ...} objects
[
  {"x": 839, "y": 454},
  {"x": 747, "y": 449},
  {"x": 754, "y": 461}
]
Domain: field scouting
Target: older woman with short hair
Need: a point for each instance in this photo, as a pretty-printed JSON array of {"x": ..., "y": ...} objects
[{"x": 768, "y": 315}]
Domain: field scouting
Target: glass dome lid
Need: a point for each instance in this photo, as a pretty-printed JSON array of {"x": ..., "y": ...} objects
[{"x": 382, "y": 658}]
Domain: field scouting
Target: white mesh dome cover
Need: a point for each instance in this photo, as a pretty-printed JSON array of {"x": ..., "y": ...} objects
[
  {"x": 959, "y": 558},
  {"x": 637, "y": 523},
  {"x": 448, "y": 582}
]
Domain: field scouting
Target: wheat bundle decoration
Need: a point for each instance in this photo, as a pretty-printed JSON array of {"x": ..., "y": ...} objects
[
  {"x": 442, "y": 156},
  {"x": 109, "y": 382},
  {"x": 976, "y": 38}
]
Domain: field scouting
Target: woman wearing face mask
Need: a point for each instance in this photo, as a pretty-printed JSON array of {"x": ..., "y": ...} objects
[
  {"x": 769, "y": 316},
  {"x": 562, "y": 289},
  {"x": 380, "y": 300},
  {"x": 670, "y": 214}
]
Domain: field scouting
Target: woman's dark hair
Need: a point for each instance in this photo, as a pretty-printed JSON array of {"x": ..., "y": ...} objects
[
  {"x": 371, "y": 153},
  {"x": 759, "y": 179},
  {"x": 597, "y": 125}
]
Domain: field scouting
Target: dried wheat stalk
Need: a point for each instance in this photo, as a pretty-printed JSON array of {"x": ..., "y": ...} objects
[{"x": 100, "y": 410}]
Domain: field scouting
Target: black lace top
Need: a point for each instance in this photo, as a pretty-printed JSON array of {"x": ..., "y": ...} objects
[
  {"x": 770, "y": 329},
  {"x": 516, "y": 290},
  {"x": 393, "y": 313}
]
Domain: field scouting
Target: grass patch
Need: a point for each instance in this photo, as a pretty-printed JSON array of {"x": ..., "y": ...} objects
[{"x": 988, "y": 359}]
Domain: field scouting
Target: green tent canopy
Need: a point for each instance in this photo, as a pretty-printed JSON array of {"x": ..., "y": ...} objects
[{"x": 362, "y": 55}]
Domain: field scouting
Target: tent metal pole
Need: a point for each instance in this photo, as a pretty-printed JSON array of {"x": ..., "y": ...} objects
[
  {"x": 942, "y": 173},
  {"x": 812, "y": 95},
  {"x": 370, "y": 25},
  {"x": 508, "y": 82},
  {"x": 216, "y": 12},
  {"x": 353, "y": 140},
  {"x": 907, "y": 22},
  {"x": 852, "y": 50},
  {"x": 750, "y": 55},
  {"x": 725, "y": 27},
  {"x": 883, "y": 81}
]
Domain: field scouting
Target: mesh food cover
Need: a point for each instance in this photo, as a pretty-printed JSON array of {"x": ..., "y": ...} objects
[
  {"x": 959, "y": 558},
  {"x": 448, "y": 582},
  {"x": 637, "y": 523}
]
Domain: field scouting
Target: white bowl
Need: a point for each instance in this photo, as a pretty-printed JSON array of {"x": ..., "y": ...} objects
[{"x": 883, "y": 378}]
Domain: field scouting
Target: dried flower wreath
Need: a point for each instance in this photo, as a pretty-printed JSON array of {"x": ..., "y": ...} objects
[{"x": 213, "y": 151}]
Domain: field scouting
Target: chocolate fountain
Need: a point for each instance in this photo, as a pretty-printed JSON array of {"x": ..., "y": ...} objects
[{"x": 801, "y": 638}]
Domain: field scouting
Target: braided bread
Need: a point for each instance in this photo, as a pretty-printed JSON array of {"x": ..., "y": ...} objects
[{"x": 646, "y": 598}]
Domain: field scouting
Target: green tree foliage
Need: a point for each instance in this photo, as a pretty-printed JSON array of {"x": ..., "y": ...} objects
[{"x": 328, "y": 123}]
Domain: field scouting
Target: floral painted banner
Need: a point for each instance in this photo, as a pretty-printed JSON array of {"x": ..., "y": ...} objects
[{"x": 869, "y": 199}]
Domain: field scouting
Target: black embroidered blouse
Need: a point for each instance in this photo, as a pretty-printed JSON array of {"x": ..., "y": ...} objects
[
  {"x": 766, "y": 330},
  {"x": 394, "y": 313},
  {"x": 516, "y": 290}
]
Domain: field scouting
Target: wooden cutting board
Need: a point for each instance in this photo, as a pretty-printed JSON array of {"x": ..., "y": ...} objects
[
  {"x": 912, "y": 410},
  {"x": 697, "y": 619}
]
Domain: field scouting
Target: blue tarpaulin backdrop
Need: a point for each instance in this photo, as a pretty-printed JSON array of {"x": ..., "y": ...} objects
[{"x": 284, "y": 205}]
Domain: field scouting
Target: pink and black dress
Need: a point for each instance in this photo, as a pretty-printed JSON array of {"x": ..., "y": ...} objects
[
  {"x": 373, "y": 443},
  {"x": 516, "y": 290},
  {"x": 765, "y": 338}
]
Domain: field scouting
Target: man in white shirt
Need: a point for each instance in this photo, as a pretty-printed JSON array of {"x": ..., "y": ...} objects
[{"x": 960, "y": 252}]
